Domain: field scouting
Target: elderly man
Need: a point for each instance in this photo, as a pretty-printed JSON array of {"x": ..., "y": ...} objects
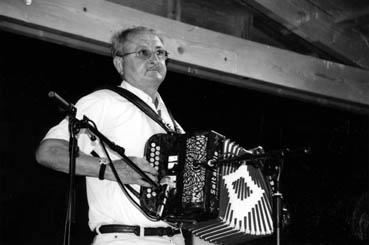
[{"x": 139, "y": 56}]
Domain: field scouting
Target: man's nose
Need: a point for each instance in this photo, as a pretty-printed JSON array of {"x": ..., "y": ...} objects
[{"x": 154, "y": 57}]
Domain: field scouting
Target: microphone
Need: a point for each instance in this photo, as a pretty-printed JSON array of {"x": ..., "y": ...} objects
[{"x": 68, "y": 107}]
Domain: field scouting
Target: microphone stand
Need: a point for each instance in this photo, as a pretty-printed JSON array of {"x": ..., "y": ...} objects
[
  {"x": 74, "y": 127},
  {"x": 73, "y": 154},
  {"x": 277, "y": 199}
]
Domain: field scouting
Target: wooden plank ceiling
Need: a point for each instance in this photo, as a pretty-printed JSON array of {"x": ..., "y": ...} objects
[
  {"x": 324, "y": 24},
  {"x": 302, "y": 48}
]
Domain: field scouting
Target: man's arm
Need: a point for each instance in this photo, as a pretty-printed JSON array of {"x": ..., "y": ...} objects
[{"x": 54, "y": 154}]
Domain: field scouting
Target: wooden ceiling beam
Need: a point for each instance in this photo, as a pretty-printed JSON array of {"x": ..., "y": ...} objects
[
  {"x": 354, "y": 18},
  {"x": 316, "y": 26},
  {"x": 195, "y": 51}
]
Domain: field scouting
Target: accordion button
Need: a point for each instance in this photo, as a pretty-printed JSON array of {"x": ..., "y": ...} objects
[
  {"x": 153, "y": 144},
  {"x": 148, "y": 190},
  {"x": 154, "y": 194},
  {"x": 152, "y": 159},
  {"x": 148, "y": 195},
  {"x": 157, "y": 147}
]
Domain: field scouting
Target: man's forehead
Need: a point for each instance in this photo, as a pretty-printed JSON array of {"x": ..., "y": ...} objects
[{"x": 143, "y": 39}]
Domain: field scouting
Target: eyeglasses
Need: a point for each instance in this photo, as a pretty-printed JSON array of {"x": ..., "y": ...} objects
[{"x": 146, "y": 54}]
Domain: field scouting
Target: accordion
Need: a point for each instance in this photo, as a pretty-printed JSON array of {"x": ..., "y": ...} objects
[{"x": 227, "y": 202}]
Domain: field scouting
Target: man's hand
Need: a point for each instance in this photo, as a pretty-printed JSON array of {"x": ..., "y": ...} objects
[{"x": 129, "y": 176}]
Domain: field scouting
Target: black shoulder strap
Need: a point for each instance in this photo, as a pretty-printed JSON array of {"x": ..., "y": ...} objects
[{"x": 141, "y": 105}]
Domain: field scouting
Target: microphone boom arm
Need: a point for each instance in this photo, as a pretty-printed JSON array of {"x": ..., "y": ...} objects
[{"x": 275, "y": 154}]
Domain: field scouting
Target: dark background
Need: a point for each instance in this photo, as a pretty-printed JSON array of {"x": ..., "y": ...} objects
[{"x": 323, "y": 191}]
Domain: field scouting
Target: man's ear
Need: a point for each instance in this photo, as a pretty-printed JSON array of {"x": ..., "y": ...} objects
[{"x": 118, "y": 64}]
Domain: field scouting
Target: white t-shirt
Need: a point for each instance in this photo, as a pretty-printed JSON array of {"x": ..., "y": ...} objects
[{"x": 127, "y": 126}]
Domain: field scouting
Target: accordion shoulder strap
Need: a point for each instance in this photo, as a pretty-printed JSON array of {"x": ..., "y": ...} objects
[{"x": 142, "y": 106}]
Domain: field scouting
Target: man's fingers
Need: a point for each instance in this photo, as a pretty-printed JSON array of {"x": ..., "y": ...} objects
[
  {"x": 131, "y": 176},
  {"x": 145, "y": 166},
  {"x": 153, "y": 177},
  {"x": 151, "y": 170},
  {"x": 143, "y": 183}
]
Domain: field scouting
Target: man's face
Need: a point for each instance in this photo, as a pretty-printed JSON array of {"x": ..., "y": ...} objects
[{"x": 148, "y": 74}]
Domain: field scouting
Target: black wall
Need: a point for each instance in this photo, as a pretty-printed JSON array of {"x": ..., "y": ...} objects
[{"x": 321, "y": 190}]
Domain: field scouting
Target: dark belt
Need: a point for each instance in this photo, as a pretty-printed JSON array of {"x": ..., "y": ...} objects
[{"x": 148, "y": 231}]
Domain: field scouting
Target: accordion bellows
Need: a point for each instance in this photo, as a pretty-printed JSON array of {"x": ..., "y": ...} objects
[{"x": 227, "y": 202}]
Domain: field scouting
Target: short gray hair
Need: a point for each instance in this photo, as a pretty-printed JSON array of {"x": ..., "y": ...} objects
[{"x": 120, "y": 38}]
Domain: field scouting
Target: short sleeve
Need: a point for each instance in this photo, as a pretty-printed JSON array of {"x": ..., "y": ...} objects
[{"x": 94, "y": 106}]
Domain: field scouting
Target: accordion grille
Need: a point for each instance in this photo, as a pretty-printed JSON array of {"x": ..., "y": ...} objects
[{"x": 193, "y": 176}]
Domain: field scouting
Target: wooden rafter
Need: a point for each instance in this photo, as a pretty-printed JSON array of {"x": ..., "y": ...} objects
[
  {"x": 196, "y": 51},
  {"x": 353, "y": 18},
  {"x": 317, "y": 27}
]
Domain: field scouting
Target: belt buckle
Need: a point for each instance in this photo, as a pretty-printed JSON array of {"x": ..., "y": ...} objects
[{"x": 169, "y": 231}]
